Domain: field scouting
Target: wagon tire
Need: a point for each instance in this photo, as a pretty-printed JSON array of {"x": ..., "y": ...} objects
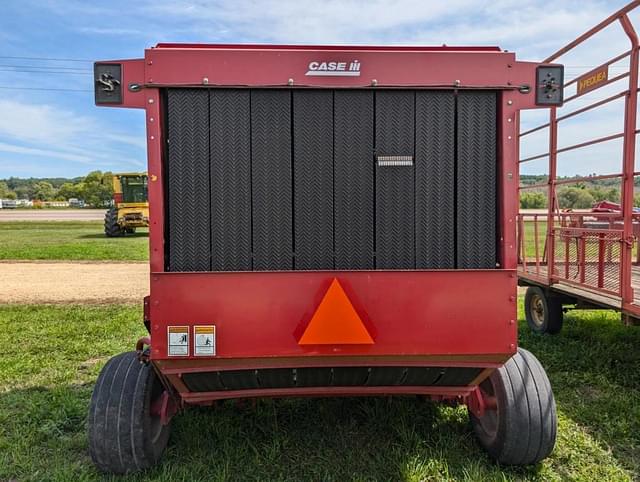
[
  {"x": 522, "y": 428},
  {"x": 543, "y": 311},
  {"x": 111, "y": 227},
  {"x": 124, "y": 436}
]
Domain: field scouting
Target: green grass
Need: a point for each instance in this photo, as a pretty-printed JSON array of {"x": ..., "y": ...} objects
[
  {"x": 68, "y": 240},
  {"x": 51, "y": 356},
  {"x": 530, "y": 238}
]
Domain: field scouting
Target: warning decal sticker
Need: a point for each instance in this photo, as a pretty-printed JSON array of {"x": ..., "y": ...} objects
[
  {"x": 178, "y": 340},
  {"x": 204, "y": 340}
]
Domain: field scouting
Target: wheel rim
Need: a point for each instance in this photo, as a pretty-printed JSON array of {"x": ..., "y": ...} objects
[
  {"x": 490, "y": 421},
  {"x": 537, "y": 310}
]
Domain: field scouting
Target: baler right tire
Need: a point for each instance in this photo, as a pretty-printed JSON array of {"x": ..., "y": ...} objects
[
  {"x": 111, "y": 227},
  {"x": 522, "y": 428},
  {"x": 543, "y": 311},
  {"x": 124, "y": 436}
]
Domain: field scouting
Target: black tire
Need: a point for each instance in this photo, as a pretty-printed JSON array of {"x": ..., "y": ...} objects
[
  {"x": 543, "y": 312},
  {"x": 111, "y": 226},
  {"x": 123, "y": 434},
  {"x": 522, "y": 429}
]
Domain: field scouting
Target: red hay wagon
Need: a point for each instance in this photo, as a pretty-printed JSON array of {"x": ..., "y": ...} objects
[
  {"x": 328, "y": 221},
  {"x": 584, "y": 259}
]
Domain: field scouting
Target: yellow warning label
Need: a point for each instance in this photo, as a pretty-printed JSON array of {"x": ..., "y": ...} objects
[
  {"x": 204, "y": 340},
  {"x": 178, "y": 341}
]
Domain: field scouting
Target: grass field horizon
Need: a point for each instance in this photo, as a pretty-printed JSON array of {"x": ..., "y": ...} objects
[
  {"x": 53, "y": 354},
  {"x": 69, "y": 241}
]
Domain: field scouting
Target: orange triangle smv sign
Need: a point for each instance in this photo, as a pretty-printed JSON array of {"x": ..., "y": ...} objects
[{"x": 335, "y": 321}]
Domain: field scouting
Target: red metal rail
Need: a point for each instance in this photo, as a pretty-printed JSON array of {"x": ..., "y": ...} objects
[{"x": 591, "y": 251}]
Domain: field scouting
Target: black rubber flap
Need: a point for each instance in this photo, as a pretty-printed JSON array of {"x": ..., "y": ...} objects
[
  {"x": 353, "y": 179},
  {"x": 394, "y": 133},
  {"x": 230, "y": 153},
  {"x": 313, "y": 178},
  {"x": 271, "y": 178},
  {"x": 435, "y": 180},
  {"x": 476, "y": 180},
  {"x": 189, "y": 218}
]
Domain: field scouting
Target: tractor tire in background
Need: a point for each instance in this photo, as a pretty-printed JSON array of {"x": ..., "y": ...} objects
[
  {"x": 522, "y": 428},
  {"x": 543, "y": 312},
  {"x": 124, "y": 435},
  {"x": 111, "y": 227}
]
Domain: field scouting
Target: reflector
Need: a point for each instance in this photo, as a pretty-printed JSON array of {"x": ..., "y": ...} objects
[{"x": 335, "y": 321}]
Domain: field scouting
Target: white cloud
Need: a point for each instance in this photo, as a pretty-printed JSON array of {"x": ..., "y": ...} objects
[{"x": 48, "y": 131}]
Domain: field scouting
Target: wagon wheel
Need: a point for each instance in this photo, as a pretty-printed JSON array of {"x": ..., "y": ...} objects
[
  {"x": 126, "y": 432},
  {"x": 520, "y": 427},
  {"x": 543, "y": 312}
]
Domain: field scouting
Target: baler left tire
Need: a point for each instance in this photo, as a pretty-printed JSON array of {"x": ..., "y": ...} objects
[
  {"x": 521, "y": 428},
  {"x": 124, "y": 435}
]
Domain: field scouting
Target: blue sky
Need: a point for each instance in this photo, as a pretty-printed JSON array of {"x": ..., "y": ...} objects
[{"x": 61, "y": 133}]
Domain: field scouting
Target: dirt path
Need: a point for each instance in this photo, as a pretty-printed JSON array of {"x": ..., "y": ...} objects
[{"x": 58, "y": 282}]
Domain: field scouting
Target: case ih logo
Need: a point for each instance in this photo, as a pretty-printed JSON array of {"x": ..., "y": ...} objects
[{"x": 345, "y": 69}]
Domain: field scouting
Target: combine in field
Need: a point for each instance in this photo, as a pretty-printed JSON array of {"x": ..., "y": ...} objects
[{"x": 130, "y": 205}]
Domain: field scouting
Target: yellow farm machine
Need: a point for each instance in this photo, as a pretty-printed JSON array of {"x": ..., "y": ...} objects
[{"x": 130, "y": 208}]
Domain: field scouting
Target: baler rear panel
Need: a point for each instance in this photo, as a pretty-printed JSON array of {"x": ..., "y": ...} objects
[{"x": 305, "y": 179}]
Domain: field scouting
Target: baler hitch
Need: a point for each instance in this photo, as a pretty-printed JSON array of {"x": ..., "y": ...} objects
[{"x": 143, "y": 349}]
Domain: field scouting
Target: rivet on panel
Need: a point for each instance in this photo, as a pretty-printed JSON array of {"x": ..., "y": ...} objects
[
  {"x": 512, "y": 346},
  {"x": 152, "y": 137},
  {"x": 509, "y": 119},
  {"x": 509, "y": 102},
  {"x": 374, "y": 82},
  {"x": 509, "y": 137},
  {"x": 456, "y": 83},
  {"x": 151, "y": 119},
  {"x": 150, "y": 101},
  {"x": 511, "y": 322},
  {"x": 290, "y": 82},
  {"x": 205, "y": 80}
]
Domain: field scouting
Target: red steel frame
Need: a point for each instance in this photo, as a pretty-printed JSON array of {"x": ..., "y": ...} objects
[
  {"x": 416, "y": 318},
  {"x": 546, "y": 269}
]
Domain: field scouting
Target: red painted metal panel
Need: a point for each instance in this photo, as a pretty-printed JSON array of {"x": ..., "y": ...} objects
[
  {"x": 282, "y": 67},
  {"x": 389, "y": 48},
  {"x": 406, "y": 312}
]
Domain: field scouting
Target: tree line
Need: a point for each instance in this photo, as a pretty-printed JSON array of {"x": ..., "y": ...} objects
[
  {"x": 95, "y": 189},
  {"x": 579, "y": 195}
]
